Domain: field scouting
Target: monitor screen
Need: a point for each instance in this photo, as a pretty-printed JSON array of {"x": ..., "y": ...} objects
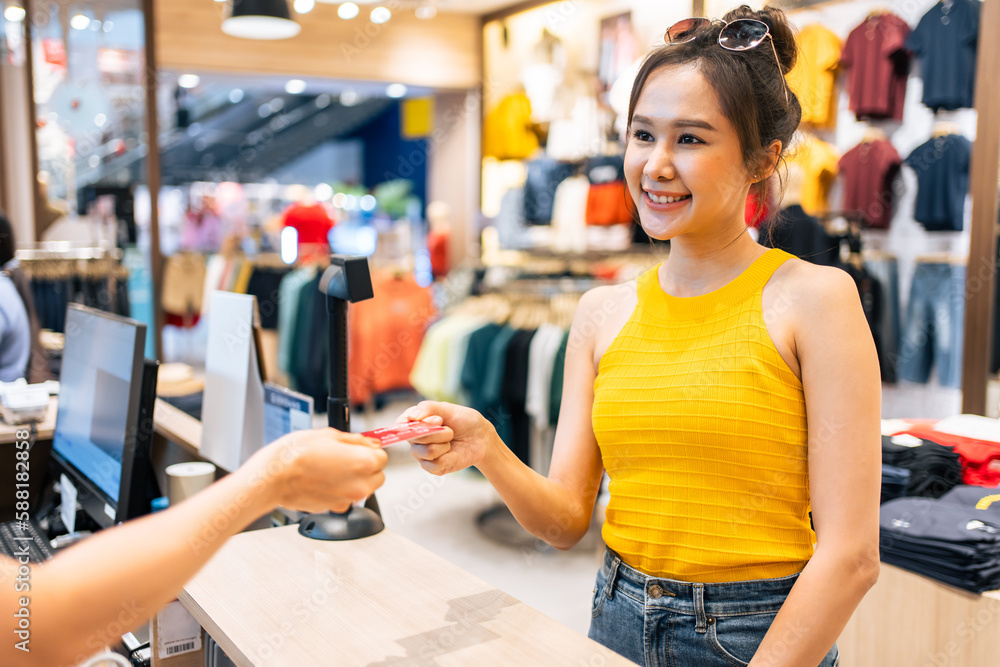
[{"x": 98, "y": 400}]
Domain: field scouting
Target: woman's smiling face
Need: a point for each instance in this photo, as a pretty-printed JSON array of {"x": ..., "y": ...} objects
[{"x": 683, "y": 162}]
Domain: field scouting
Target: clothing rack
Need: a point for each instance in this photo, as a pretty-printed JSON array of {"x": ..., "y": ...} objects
[{"x": 61, "y": 250}]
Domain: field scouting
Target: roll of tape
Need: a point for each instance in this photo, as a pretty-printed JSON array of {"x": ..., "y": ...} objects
[{"x": 187, "y": 479}]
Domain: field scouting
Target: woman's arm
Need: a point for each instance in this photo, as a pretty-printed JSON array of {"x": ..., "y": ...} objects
[
  {"x": 557, "y": 508},
  {"x": 840, "y": 377},
  {"x": 81, "y": 599}
]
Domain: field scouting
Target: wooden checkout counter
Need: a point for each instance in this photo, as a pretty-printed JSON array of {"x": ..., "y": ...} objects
[{"x": 274, "y": 597}]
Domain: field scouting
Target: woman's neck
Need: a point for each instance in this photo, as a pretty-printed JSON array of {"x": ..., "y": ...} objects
[{"x": 699, "y": 266}]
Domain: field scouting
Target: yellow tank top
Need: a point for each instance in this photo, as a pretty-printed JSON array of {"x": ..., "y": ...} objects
[{"x": 702, "y": 428}]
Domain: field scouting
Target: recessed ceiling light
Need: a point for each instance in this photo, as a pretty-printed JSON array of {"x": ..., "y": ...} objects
[
  {"x": 323, "y": 192},
  {"x": 14, "y": 14},
  {"x": 349, "y": 98},
  {"x": 348, "y": 10},
  {"x": 380, "y": 15},
  {"x": 80, "y": 22},
  {"x": 304, "y": 6},
  {"x": 426, "y": 11},
  {"x": 188, "y": 80},
  {"x": 295, "y": 86},
  {"x": 395, "y": 90}
]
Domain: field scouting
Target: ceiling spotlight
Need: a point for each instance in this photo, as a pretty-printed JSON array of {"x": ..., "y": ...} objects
[
  {"x": 349, "y": 98},
  {"x": 109, "y": 26},
  {"x": 14, "y": 14},
  {"x": 426, "y": 11},
  {"x": 395, "y": 90},
  {"x": 348, "y": 10},
  {"x": 380, "y": 15},
  {"x": 295, "y": 87},
  {"x": 80, "y": 22},
  {"x": 260, "y": 19},
  {"x": 323, "y": 192},
  {"x": 304, "y": 6},
  {"x": 235, "y": 95},
  {"x": 188, "y": 80}
]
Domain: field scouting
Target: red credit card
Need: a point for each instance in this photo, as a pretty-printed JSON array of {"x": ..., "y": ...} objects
[{"x": 390, "y": 435}]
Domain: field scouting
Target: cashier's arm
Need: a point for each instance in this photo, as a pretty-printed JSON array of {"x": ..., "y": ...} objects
[
  {"x": 87, "y": 596},
  {"x": 840, "y": 377},
  {"x": 557, "y": 508}
]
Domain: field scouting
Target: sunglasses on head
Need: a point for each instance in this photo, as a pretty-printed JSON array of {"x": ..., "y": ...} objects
[{"x": 740, "y": 35}]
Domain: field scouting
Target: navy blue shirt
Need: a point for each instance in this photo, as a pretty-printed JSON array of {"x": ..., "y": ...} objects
[
  {"x": 942, "y": 167},
  {"x": 945, "y": 40},
  {"x": 543, "y": 177}
]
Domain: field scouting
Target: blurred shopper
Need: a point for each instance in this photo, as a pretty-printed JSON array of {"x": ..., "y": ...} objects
[{"x": 20, "y": 351}]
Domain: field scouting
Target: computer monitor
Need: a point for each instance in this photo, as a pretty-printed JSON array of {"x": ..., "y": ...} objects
[{"x": 98, "y": 415}]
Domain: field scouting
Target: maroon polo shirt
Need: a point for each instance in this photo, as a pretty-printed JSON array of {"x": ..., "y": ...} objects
[
  {"x": 877, "y": 66},
  {"x": 869, "y": 170}
]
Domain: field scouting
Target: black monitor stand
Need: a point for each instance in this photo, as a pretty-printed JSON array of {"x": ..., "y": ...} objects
[
  {"x": 137, "y": 496},
  {"x": 346, "y": 280}
]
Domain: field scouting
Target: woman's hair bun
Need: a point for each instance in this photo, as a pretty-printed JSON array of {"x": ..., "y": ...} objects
[{"x": 781, "y": 32}]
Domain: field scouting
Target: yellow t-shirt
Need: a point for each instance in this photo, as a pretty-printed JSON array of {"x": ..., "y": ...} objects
[
  {"x": 814, "y": 75},
  {"x": 702, "y": 431},
  {"x": 507, "y": 133},
  {"x": 818, "y": 162}
]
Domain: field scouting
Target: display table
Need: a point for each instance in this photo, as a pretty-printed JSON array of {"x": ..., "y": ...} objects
[
  {"x": 274, "y": 597},
  {"x": 910, "y": 620}
]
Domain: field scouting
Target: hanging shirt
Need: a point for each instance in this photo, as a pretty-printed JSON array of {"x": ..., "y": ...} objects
[
  {"x": 869, "y": 169},
  {"x": 541, "y": 359},
  {"x": 607, "y": 198},
  {"x": 544, "y": 176},
  {"x": 814, "y": 76},
  {"x": 818, "y": 162},
  {"x": 942, "y": 168},
  {"x": 800, "y": 234},
  {"x": 945, "y": 39},
  {"x": 385, "y": 335},
  {"x": 877, "y": 67},
  {"x": 569, "y": 215},
  {"x": 310, "y": 221},
  {"x": 507, "y": 132}
]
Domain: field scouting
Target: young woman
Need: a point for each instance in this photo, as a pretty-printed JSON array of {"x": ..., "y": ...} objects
[{"x": 731, "y": 393}]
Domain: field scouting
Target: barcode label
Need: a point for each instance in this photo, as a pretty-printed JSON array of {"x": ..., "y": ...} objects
[{"x": 180, "y": 648}]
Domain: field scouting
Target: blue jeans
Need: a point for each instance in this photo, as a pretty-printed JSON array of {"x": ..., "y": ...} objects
[
  {"x": 661, "y": 622},
  {"x": 935, "y": 321}
]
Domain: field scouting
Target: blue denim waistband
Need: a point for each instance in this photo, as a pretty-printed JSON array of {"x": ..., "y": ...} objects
[{"x": 717, "y": 599}]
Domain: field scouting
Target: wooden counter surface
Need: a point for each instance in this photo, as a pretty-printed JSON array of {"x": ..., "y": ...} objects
[
  {"x": 177, "y": 426},
  {"x": 274, "y": 597}
]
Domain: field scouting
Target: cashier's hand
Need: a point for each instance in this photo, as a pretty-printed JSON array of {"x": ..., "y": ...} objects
[
  {"x": 466, "y": 440},
  {"x": 319, "y": 470}
]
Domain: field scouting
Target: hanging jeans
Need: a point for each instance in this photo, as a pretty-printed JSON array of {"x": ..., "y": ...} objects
[
  {"x": 935, "y": 319},
  {"x": 886, "y": 271},
  {"x": 656, "y": 622}
]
